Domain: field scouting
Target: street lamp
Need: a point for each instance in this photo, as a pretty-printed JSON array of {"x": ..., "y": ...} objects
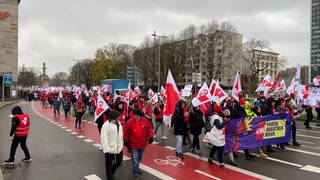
[{"x": 157, "y": 56}]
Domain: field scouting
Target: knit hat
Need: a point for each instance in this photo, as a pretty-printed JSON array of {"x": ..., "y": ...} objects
[
  {"x": 113, "y": 114},
  {"x": 242, "y": 102},
  {"x": 217, "y": 108}
]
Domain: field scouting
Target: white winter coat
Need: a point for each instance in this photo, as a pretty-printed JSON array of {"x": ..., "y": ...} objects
[{"x": 111, "y": 138}]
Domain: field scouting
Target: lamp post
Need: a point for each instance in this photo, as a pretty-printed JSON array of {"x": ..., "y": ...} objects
[{"x": 157, "y": 55}]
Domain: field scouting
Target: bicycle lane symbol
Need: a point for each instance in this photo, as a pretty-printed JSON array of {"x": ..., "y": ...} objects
[{"x": 170, "y": 160}]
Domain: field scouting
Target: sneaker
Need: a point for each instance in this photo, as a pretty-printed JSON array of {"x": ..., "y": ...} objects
[
  {"x": 263, "y": 155},
  {"x": 8, "y": 162},
  {"x": 26, "y": 160},
  {"x": 164, "y": 138}
]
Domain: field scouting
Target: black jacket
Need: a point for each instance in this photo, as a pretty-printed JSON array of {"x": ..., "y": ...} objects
[
  {"x": 196, "y": 122},
  {"x": 178, "y": 119},
  {"x": 238, "y": 112}
]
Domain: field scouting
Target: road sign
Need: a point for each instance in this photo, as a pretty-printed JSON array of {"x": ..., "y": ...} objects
[{"x": 7, "y": 79}]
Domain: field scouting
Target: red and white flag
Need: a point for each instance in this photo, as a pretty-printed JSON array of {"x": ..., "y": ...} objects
[
  {"x": 291, "y": 88},
  {"x": 274, "y": 84},
  {"x": 266, "y": 84},
  {"x": 136, "y": 91},
  {"x": 150, "y": 93},
  {"x": 281, "y": 86},
  {"x": 162, "y": 92},
  {"x": 212, "y": 86},
  {"x": 316, "y": 81},
  {"x": 219, "y": 95},
  {"x": 236, "y": 87},
  {"x": 303, "y": 91},
  {"x": 102, "y": 106},
  {"x": 126, "y": 98},
  {"x": 203, "y": 95},
  {"x": 172, "y": 95},
  {"x": 154, "y": 99}
]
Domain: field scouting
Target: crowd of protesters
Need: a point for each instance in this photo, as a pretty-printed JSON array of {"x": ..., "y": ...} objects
[{"x": 136, "y": 124}]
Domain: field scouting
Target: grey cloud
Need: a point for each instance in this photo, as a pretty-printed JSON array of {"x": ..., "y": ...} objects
[{"x": 59, "y": 31}]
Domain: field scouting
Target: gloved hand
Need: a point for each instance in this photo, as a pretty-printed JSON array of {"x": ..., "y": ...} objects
[{"x": 150, "y": 140}]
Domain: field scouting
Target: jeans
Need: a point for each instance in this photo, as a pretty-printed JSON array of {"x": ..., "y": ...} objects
[
  {"x": 112, "y": 162},
  {"x": 15, "y": 142},
  {"x": 195, "y": 142},
  {"x": 179, "y": 144},
  {"x": 158, "y": 124},
  {"x": 220, "y": 153},
  {"x": 136, "y": 159}
]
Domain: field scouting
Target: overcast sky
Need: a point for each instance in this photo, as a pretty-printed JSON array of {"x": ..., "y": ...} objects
[{"x": 59, "y": 31}]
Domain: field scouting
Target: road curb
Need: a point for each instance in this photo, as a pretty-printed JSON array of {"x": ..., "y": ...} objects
[{"x": 8, "y": 104}]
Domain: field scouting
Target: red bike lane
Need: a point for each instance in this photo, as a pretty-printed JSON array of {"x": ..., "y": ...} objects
[{"x": 157, "y": 157}]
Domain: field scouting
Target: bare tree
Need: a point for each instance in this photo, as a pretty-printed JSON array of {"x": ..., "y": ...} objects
[
  {"x": 252, "y": 54},
  {"x": 81, "y": 73},
  {"x": 27, "y": 76},
  {"x": 59, "y": 79}
]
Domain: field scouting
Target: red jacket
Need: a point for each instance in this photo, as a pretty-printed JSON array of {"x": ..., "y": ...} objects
[
  {"x": 24, "y": 125},
  {"x": 137, "y": 140}
]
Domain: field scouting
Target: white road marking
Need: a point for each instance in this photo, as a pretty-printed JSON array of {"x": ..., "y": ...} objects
[
  {"x": 206, "y": 174},
  {"x": 73, "y": 133},
  {"x": 68, "y": 130},
  {"x": 155, "y": 172},
  {"x": 88, "y": 140},
  {"x": 315, "y": 127},
  {"x": 81, "y": 137},
  {"x": 311, "y": 147},
  {"x": 59, "y": 125},
  {"x": 311, "y": 168},
  {"x": 232, "y": 167},
  {"x": 307, "y": 142},
  {"x": 304, "y": 152},
  {"x": 303, "y": 130},
  {"x": 62, "y": 127},
  {"x": 307, "y": 136},
  {"x": 92, "y": 177}
]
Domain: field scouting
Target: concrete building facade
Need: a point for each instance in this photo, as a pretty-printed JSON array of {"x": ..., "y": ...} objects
[
  {"x": 9, "y": 41},
  {"x": 315, "y": 38}
]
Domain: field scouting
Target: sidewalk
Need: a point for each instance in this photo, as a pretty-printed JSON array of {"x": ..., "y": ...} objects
[{"x": 7, "y": 103}]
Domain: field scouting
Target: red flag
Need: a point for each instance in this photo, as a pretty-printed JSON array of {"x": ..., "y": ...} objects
[
  {"x": 212, "y": 86},
  {"x": 275, "y": 81},
  {"x": 219, "y": 95},
  {"x": 203, "y": 96},
  {"x": 236, "y": 87},
  {"x": 281, "y": 86},
  {"x": 102, "y": 106},
  {"x": 172, "y": 95}
]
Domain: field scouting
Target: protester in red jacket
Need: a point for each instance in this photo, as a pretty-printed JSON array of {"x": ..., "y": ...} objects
[
  {"x": 19, "y": 134},
  {"x": 137, "y": 133}
]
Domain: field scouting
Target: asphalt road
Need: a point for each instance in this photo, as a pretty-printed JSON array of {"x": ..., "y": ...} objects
[{"x": 57, "y": 154}]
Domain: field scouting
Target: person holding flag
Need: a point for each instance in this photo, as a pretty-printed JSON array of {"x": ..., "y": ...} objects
[
  {"x": 112, "y": 143},
  {"x": 158, "y": 112},
  {"x": 178, "y": 118}
]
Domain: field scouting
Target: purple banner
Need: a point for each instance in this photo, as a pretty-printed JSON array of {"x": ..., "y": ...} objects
[{"x": 252, "y": 132}]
